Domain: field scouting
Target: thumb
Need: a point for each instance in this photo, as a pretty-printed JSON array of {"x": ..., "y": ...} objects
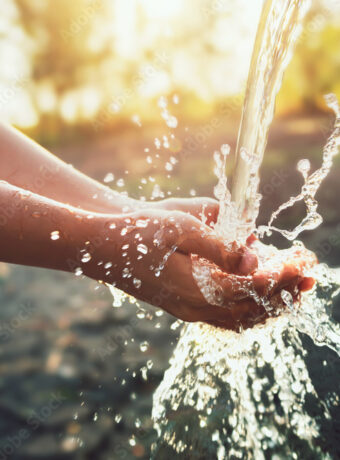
[{"x": 231, "y": 258}]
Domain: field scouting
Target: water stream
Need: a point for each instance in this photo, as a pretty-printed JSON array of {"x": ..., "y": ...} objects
[{"x": 271, "y": 391}]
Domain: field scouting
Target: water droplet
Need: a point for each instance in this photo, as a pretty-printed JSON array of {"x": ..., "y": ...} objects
[
  {"x": 142, "y": 223},
  {"x": 126, "y": 273},
  {"x": 36, "y": 214},
  {"x": 108, "y": 265},
  {"x": 55, "y": 235},
  {"x": 109, "y": 178},
  {"x": 142, "y": 248},
  {"x": 136, "y": 119},
  {"x": 303, "y": 167},
  {"x": 144, "y": 372},
  {"x": 157, "y": 192},
  {"x": 144, "y": 347},
  {"x": 172, "y": 121},
  {"x": 118, "y": 418},
  {"x": 137, "y": 283},
  {"x": 168, "y": 166},
  {"x": 162, "y": 102},
  {"x": 175, "y": 325},
  {"x": 78, "y": 271},
  {"x": 86, "y": 257},
  {"x": 120, "y": 182},
  {"x": 225, "y": 149}
]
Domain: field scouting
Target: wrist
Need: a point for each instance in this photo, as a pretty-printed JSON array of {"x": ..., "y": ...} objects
[{"x": 97, "y": 247}]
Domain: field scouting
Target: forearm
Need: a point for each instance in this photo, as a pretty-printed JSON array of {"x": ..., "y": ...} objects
[
  {"x": 27, "y": 165},
  {"x": 40, "y": 232}
]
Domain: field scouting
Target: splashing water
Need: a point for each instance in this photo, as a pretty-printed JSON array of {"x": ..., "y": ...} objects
[
  {"x": 312, "y": 182},
  {"x": 270, "y": 391},
  {"x": 257, "y": 394}
]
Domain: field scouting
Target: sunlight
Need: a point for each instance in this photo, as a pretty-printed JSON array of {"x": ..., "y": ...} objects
[
  {"x": 156, "y": 9},
  {"x": 205, "y": 47}
]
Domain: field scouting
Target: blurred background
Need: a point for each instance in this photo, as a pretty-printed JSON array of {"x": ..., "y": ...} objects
[{"x": 137, "y": 94}]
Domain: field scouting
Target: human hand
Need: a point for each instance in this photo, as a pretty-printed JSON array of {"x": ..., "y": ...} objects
[
  {"x": 197, "y": 207},
  {"x": 248, "y": 300},
  {"x": 150, "y": 252}
]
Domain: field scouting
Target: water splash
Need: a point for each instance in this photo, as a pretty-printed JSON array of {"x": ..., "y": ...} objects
[
  {"x": 251, "y": 395},
  {"x": 312, "y": 183}
]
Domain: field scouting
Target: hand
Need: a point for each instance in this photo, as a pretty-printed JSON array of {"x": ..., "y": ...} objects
[
  {"x": 150, "y": 252},
  {"x": 248, "y": 300}
]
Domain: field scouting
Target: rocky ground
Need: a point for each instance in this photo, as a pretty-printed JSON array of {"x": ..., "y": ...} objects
[{"x": 76, "y": 376}]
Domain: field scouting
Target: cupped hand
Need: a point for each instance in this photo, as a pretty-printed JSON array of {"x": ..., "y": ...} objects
[
  {"x": 148, "y": 254},
  {"x": 249, "y": 300}
]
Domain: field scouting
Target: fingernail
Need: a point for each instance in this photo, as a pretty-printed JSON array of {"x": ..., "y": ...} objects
[
  {"x": 249, "y": 263},
  {"x": 250, "y": 240},
  {"x": 306, "y": 284}
]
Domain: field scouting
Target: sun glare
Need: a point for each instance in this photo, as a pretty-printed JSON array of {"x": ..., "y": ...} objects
[
  {"x": 145, "y": 48},
  {"x": 156, "y": 9}
]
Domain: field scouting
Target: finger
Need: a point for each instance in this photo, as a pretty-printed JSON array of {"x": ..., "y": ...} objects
[
  {"x": 233, "y": 287},
  {"x": 232, "y": 258},
  {"x": 251, "y": 239},
  {"x": 267, "y": 282},
  {"x": 306, "y": 284},
  {"x": 178, "y": 278}
]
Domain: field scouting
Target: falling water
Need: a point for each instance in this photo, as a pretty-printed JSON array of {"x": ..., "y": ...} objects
[
  {"x": 279, "y": 28},
  {"x": 271, "y": 391}
]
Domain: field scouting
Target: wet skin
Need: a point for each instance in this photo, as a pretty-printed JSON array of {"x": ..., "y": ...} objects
[{"x": 241, "y": 309}]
